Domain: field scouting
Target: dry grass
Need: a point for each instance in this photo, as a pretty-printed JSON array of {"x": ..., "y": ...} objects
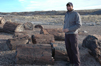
[{"x": 52, "y": 19}]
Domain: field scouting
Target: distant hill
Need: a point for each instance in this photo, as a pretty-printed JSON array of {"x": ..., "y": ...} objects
[{"x": 82, "y": 12}]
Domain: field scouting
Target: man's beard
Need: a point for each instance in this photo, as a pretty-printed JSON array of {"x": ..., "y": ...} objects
[{"x": 70, "y": 9}]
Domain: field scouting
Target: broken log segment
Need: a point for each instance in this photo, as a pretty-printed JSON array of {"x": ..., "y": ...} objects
[
  {"x": 28, "y": 26},
  {"x": 38, "y": 26},
  {"x": 60, "y": 53},
  {"x": 12, "y": 43},
  {"x": 60, "y": 36},
  {"x": 12, "y": 27},
  {"x": 56, "y": 30},
  {"x": 92, "y": 43},
  {"x": 20, "y": 34},
  {"x": 27, "y": 32},
  {"x": 40, "y": 54},
  {"x": 42, "y": 39}
]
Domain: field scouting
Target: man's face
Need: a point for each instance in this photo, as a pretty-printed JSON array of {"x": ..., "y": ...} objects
[{"x": 69, "y": 8}]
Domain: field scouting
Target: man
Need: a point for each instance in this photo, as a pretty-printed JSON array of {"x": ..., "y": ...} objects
[{"x": 72, "y": 23}]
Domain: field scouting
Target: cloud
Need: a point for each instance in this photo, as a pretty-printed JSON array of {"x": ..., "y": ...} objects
[
  {"x": 33, "y": 5},
  {"x": 91, "y": 7}
]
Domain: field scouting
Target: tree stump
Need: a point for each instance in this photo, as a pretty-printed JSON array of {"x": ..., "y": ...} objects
[
  {"x": 11, "y": 27},
  {"x": 42, "y": 39},
  {"x": 40, "y": 54},
  {"x": 28, "y": 26}
]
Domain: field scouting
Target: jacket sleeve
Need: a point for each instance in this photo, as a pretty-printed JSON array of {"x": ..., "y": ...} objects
[
  {"x": 78, "y": 23},
  {"x": 64, "y": 22}
]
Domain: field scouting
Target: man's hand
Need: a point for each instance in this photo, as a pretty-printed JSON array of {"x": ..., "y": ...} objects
[{"x": 65, "y": 30}]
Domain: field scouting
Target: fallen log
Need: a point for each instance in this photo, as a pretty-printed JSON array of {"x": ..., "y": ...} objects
[
  {"x": 11, "y": 27},
  {"x": 40, "y": 54},
  {"x": 60, "y": 36},
  {"x": 27, "y": 32},
  {"x": 28, "y": 26},
  {"x": 57, "y": 32},
  {"x": 42, "y": 39},
  {"x": 60, "y": 53},
  {"x": 20, "y": 34},
  {"x": 12, "y": 43}
]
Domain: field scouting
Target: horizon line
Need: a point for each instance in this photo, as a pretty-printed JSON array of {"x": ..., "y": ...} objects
[{"x": 51, "y": 10}]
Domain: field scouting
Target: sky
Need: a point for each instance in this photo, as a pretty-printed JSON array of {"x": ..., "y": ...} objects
[{"x": 46, "y": 5}]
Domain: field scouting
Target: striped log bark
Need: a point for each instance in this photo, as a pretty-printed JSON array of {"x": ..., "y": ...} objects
[
  {"x": 42, "y": 39},
  {"x": 40, "y": 54},
  {"x": 12, "y": 43}
]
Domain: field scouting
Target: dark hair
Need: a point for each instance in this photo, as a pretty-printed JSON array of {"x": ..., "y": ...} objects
[{"x": 69, "y": 4}]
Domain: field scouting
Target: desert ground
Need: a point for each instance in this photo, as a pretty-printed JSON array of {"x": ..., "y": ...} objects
[{"x": 91, "y": 24}]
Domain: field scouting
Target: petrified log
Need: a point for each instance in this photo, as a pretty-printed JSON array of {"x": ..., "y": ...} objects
[
  {"x": 91, "y": 38},
  {"x": 31, "y": 32},
  {"x": 40, "y": 54},
  {"x": 58, "y": 35},
  {"x": 12, "y": 43},
  {"x": 92, "y": 43},
  {"x": 42, "y": 31},
  {"x": 2, "y": 20},
  {"x": 12, "y": 27},
  {"x": 98, "y": 56},
  {"x": 20, "y": 34},
  {"x": 60, "y": 56},
  {"x": 42, "y": 39},
  {"x": 27, "y": 32},
  {"x": 38, "y": 26},
  {"x": 28, "y": 26},
  {"x": 60, "y": 53},
  {"x": 57, "y": 32}
]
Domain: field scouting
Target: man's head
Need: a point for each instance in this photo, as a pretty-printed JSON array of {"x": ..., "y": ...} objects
[{"x": 69, "y": 6}]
